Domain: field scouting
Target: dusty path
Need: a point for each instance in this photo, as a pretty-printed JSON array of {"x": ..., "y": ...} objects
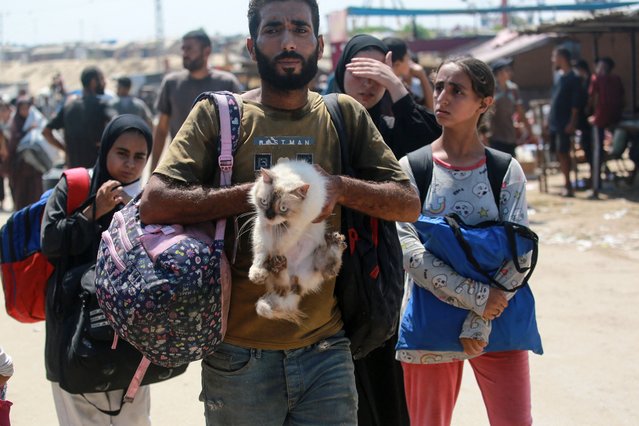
[{"x": 587, "y": 290}]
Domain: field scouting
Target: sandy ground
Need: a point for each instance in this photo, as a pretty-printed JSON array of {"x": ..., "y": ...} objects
[{"x": 586, "y": 290}]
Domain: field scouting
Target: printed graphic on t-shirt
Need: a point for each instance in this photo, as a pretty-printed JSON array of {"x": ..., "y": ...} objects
[
  {"x": 308, "y": 157},
  {"x": 262, "y": 161},
  {"x": 284, "y": 140}
]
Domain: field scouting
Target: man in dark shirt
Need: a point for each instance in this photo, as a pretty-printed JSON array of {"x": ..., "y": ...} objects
[
  {"x": 83, "y": 119},
  {"x": 179, "y": 89},
  {"x": 564, "y": 111},
  {"x": 128, "y": 104}
]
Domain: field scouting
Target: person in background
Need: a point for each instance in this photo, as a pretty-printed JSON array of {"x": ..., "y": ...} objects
[
  {"x": 179, "y": 89},
  {"x": 582, "y": 69},
  {"x": 83, "y": 119},
  {"x": 6, "y": 371},
  {"x": 124, "y": 149},
  {"x": 364, "y": 72},
  {"x": 607, "y": 98},
  {"x": 507, "y": 109},
  {"x": 127, "y": 104},
  {"x": 564, "y": 112},
  {"x": 408, "y": 70},
  {"x": 6, "y": 111},
  {"x": 24, "y": 180}
]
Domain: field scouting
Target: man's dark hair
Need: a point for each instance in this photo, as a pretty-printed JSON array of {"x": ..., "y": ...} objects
[
  {"x": 582, "y": 64},
  {"x": 608, "y": 62},
  {"x": 88, "y": 75},
  {"x": 199, "y": 35},
  {"x": 397, "y": 46},
  {"x": 255, "y": 6},
  {"x": 562, "y": 51},
  {"x": 124, "y": 82}
]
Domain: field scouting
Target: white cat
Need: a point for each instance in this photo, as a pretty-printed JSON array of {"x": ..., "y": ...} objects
[{"x": 292, "y": 256}]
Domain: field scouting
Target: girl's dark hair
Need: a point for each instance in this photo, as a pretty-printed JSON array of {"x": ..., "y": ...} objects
[
  {"x": 480, "y": 74},
  {"x": 255, "y": 6}
]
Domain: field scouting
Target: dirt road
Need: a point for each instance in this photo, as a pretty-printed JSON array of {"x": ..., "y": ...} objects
[{"x": 587, "y": 290}]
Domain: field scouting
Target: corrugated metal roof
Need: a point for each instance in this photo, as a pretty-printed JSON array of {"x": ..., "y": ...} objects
[
  {"x": 509, "y": 43},
  {"x": 613, "y": 22}
]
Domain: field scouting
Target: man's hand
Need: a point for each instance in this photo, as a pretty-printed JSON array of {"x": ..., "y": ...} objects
[
  {"x": 495, "y": 305},
  {"x": 333, "y": 193}
]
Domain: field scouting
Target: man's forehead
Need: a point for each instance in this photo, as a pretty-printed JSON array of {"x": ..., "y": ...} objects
[{"x": 286, "y": 11}]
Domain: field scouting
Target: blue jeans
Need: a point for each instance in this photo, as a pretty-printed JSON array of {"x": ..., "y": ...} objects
[{"x": 314, "y": 385}]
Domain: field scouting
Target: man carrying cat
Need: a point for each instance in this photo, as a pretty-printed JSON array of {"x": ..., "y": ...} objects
[{"x": 268, "y": 371}]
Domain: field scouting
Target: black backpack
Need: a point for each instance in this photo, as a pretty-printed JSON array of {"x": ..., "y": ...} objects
[
  {"x": 369, "y": 287},
  {"x": 421, "y": 163}
]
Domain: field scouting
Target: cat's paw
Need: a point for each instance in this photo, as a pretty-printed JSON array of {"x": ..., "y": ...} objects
[
  {"x": 258, "y": 275},
  {"x": 264, "y": 307},
  {"x": 335, "y": 239},
  {"x": 274, "y": 307},
  {"x": 275, "y": 264}
]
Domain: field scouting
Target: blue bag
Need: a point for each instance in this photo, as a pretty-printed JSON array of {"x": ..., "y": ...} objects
[{"x": 475, "y": 252}]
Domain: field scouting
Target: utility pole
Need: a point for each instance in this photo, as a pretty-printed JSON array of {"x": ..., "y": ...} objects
[
  {"x": 159, "y": 34},
  {"x": 504, "y": 14}
]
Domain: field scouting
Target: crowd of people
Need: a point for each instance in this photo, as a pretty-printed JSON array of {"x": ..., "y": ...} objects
[{"x": 273, "y": 372}]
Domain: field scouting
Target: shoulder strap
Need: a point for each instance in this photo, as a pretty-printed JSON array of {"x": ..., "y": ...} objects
[
  {"x": 421, "y": 164},
  {"x": 497, "y": 164},
  {"x": 332, "y": 104},
  {"x": 78, "y": 184},
  {"x": 228, "y": 111}
]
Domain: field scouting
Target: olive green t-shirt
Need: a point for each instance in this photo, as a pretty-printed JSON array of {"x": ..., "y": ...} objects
[{"x": 266, "y": 135}]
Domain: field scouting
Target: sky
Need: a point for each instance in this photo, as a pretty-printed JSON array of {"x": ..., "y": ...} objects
[{"x": 32, "y": 22}]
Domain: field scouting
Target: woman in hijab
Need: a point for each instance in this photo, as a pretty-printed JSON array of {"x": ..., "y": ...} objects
[
  {"x": 24, "y": 180},
  {"x": 364, "y": 71},
  {"x": 124, "y": 149}
]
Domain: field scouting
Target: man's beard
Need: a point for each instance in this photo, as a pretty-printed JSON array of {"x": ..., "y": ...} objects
[
  {"x": 289, "y": 81},
  {"x": 193, "y": 64}
]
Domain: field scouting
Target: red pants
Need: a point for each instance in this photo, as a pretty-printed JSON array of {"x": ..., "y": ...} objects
[{"x": 503, "y": 378}]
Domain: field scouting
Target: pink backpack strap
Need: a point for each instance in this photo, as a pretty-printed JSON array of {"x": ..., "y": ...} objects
[
  {"x": 225, "y": 160},
  {"x": 137, "y": 379}
]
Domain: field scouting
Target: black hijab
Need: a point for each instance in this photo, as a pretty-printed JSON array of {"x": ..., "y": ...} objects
[
  {"x": 116, "y": 127},
  {"x": 112, "y": 132},
  {"x": 355, "y": 44}
]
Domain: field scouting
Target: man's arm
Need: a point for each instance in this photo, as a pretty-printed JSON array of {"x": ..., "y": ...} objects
[
  {"x": 168, "y": 201},
  {"x": 159, "y": 138},
  {"x": 395, "y": 201},
  {"x": 47, "y": 133}
]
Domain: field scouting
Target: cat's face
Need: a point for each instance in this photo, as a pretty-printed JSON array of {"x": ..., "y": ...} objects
[{"x": 274, "y": 203}]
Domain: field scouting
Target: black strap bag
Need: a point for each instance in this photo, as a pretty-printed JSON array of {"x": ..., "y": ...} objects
[{"x": 370, "y": 286}]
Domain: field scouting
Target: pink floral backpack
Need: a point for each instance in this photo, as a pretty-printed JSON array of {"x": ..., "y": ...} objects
[{"x": 166, "y": 289}]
